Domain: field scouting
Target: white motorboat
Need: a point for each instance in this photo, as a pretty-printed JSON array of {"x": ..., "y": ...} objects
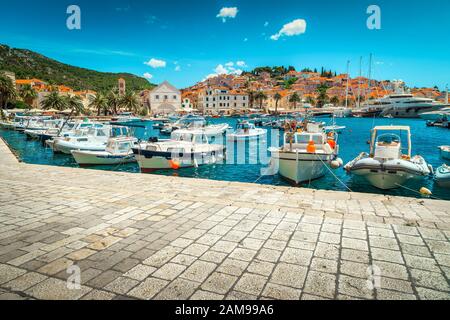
[
  {"x": 246, "y": 131},
  {"x": 35, "y": 132},
  {"x": 117, "y": 151},
  {"x": 189, "y": 149},
  {"x": 92, "y": 139},
  {"x": 189, "y": 120},
  {"x": 125, "y": 118},
  {"x": 442, "y": 176},
  {"x": 305, "y": 155},
  {"x": 335, "y": 128},
  {"x": 387, "y": 167},
  {"x": 215, "y": 133},
  {"x": 438, "y": 115},
  {"x": 445, "y": 152}
]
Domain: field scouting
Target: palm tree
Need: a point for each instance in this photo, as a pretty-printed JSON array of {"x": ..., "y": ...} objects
[
  {"x": 310, "y": 100},
  {"x": 261, "y": 96},
  {"x": 251, "y": 98},
  {"x": 277, "y": 98},
  {"x": 54, "y": 101},
  {"x": 100, "y": 102},
  {"x": 322, "y": 97},
  {"x": 28, "y": 94},
  {"x": 130, "y": 102},
  {"x": 75, "y": 105},
  {"x": 7, "y": 92},
  {"x": 334, "y": 100},
  {"x": 113, "y": 101},
  {"x": 295, "y": 98}
]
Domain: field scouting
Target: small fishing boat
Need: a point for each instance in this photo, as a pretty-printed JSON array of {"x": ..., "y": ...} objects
[
  {"x": 246, "y": 131},
  {"x": 442, "y": 176},
  {"x": 126, "y": 119},
  {"x": 387, "y": 167},
  {"x": 191, "y": 121},
  {"x": 94, "y": 139},
  {"x": 445, "y": 152},
  {"x": 438, "y": 115},
  {"x": 183, "y": 150},
  {"x": 306, "y": 153},
  {"x": 335, "y": 128},
  {"x": 159, "y": 125},
  {"x": 117, "y": 151}
]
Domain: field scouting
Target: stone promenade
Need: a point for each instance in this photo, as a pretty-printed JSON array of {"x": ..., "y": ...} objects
[{"x": 139, "y": 236}]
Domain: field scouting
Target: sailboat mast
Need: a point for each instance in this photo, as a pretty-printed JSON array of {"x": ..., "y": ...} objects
[
  {"x": 346, "y": 90},
  {"x": 370, "y": 71},
  {"x": 446, "y": 94},
  {"x": 359, "y": 82}
]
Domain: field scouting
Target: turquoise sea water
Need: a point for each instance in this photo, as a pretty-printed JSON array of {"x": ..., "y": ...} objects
[{"x": 353, "y": 141}]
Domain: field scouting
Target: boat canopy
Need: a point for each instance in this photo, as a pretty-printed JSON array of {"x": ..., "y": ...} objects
[{"x": 390, "y": 128}]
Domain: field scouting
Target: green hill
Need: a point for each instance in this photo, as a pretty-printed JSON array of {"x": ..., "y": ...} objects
[{"x": 27, "y": 64}]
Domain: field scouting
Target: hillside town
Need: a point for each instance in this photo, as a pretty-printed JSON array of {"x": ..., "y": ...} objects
[{"x": 268, "y": 90}]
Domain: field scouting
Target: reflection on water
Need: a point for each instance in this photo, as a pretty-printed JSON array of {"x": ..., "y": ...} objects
[{"x": 353, "y": 141}]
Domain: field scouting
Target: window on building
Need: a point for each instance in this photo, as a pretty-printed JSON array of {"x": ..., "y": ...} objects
[
  {"x": 166, "y": 97},
  {"x": 243, "y": 104},
  {"x": 157, "y": 97},
  {"x": 174, "y": 97}
]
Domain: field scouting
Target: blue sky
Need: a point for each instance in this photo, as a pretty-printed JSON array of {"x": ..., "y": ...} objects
[{"x": 119, "y": 36}]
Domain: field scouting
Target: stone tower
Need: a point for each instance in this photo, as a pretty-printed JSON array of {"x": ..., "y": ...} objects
[{"x": 122, "y": 87}]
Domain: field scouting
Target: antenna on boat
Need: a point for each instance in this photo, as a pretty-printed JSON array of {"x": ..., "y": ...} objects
[{"x": 346, "y": 89}]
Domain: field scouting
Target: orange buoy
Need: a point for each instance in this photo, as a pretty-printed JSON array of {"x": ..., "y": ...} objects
[
  {"x": 174, "y": 164},
  {"x": 332, "y": 143},
  {"x": 311, "y": 148}
]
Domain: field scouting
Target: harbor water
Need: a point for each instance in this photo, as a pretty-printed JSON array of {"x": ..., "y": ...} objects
[{"x": 353, "y": 140}]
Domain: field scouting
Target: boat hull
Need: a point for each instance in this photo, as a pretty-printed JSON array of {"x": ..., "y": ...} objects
[
  {"x": 87, "y": 158},
  {"x": 389, "y": 174},
  {"x": 442, "y": 176},
  {"x": 301, "y": 168},
  {"x": 66, "y": 148},
  {"x": 150, "y": 161}
]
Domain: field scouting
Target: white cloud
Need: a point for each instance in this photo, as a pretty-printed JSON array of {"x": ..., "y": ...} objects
[
  {"x": 245, "y": 39},
  {"x": 177, "y": 68},
  {"x": 290, "y": 29},
  {"x": 227, "y": 13},
  {"x": 226, "y": 69},
  {"x": 266, "y": 23},
  {"x": 155, "y": 63},
  {"x": 148, "y": 76},
  {"x": 220, "y": 69}
]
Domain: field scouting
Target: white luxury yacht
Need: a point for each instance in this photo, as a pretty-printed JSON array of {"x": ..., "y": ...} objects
[
  {"x": 438, "y": 115},
  {"x": 399, "y": 104}
]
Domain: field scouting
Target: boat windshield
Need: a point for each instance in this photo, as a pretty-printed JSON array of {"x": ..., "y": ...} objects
[
  {"x": 305, "y": 138},
  {"x": 245, "y": 126},
  {"x": 388, "y": 139},
  {"x": 124, "y": 146}
]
